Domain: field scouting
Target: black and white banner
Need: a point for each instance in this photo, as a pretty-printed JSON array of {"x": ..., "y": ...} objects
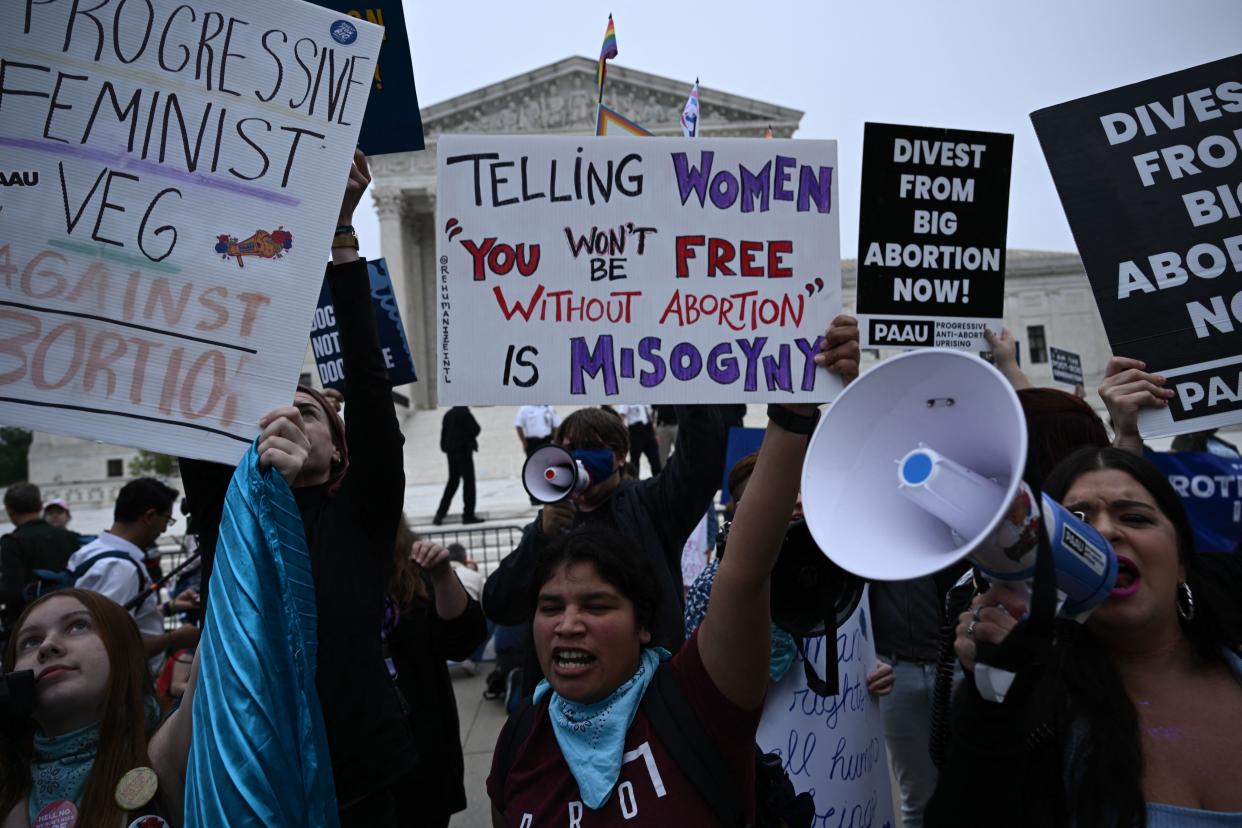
[
  {"x": 931, "y": 236},
  {"x": 1150, "y": 176}
]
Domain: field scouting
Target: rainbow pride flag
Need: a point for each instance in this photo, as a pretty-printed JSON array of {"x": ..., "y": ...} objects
[
  {"x": 607, "y": 51},
  {"x": 610, "y": 122}
]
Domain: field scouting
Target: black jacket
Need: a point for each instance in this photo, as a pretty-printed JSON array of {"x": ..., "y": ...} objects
[
  {"x": 36, "y": 544},
  {"x": 351, "y": 535},
  {"x": 459, "y": 430},
  {"x": 420, "y": 646},
  {"x": 658, "y": 513}
]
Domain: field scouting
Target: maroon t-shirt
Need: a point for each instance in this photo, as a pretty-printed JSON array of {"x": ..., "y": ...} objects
[{"x": 651, "y": 790}]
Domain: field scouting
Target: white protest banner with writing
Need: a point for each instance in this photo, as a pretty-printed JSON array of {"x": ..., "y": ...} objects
[
  {"x": 833, "y": 746},
  {"x": 589, "y": 270},
  {"x": 181, "y": 169},
  {"x": 1149, "y": 177}
]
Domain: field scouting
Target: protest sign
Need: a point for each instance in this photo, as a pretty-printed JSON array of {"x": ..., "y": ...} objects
[
  {"x": 742, "y": 441},
  {"x": 326, "y": 339},
  {"x": 1066, "y": 366},
  {"x": 393, "y": 122},
  {"x": 833, "y": 747},
  {"x": 636, "y": 270},
  {"x": 1150, "y": 177},
  {"x": 181, "y": 169},
  {"x": 1211, "y": 489},
  {"x": 931, "y": 236}
]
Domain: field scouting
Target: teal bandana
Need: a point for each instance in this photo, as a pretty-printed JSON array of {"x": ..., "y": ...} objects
[
  {"x": 592, "y": 736},
  {"x": 60, "y": 767},
  {"x": 784, "y": 650}
]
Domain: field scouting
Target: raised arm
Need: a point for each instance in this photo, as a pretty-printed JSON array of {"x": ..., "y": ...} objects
[
  {"x": 735, "y": 637},
  {"x": 1005, "y": 357},
  {"x": 376, "y": 480}
]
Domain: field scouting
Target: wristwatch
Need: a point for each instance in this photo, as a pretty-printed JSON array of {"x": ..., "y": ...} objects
[{"x": 795, "y": 423}]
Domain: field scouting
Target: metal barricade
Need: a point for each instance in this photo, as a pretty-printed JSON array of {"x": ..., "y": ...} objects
[{"x": 485, "y": 545}]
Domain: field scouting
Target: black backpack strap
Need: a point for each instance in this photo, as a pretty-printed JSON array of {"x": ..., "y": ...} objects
[
  {"x": 521, "y": 722},
  {"x": 685, "y": 738},
  {"x": 86, "y": 565}
]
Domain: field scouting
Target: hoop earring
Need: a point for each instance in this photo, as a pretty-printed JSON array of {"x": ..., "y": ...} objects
[{"x": 1185, "y": 602}]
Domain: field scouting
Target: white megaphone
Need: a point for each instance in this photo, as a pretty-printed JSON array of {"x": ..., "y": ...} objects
[
  {"x": 919, "y": 462},
  {"x": 551, "y": 474}
]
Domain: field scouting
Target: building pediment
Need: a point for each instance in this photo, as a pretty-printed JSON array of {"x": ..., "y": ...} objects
[{"x": 561, "y": 98}]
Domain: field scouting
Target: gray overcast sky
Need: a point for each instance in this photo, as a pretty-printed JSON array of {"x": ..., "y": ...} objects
[{"x": 969, "y": 64}]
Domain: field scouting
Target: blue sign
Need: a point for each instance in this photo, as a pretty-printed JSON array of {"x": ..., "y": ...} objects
[
  {"x": 742, "y": 441},
  {"x": 326, "y": 339},
  {"x": 344, "y": 32},
  {"x": 392, "y": 122},
  {"x": 1209, "y": 488}
]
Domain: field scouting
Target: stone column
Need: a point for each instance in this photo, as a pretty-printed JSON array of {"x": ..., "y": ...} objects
[{"x": 394, "y": 231}]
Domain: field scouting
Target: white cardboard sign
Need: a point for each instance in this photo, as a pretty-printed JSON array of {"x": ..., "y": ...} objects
[
  {"x": 173, "y": 173},
  {"x": 833, "y": 746},
  {"x": 637, "y": 270}
]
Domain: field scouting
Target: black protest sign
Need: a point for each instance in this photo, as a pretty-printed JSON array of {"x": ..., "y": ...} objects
[
  {"x": 931, "y": 236},
  {"x": 326, "y": 337},
  {"x": 1150, "y": 176},
  {"x": 1066, "y": 366},
  {"x": 393, "y": 122}
]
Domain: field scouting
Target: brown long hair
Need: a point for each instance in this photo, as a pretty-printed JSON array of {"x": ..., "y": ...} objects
[
  {"x": 122, "y": 715},
  {"x": 406, "y": 584}
]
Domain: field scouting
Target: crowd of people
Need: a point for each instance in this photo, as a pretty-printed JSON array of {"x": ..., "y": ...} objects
[{"x": 639, "y": 699}]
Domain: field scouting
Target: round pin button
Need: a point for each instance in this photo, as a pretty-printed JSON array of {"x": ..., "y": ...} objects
[
  {"x": 136, "y": 788},
  {"x": 60, "y": 814},
  {"x": 149, "y": 822}
]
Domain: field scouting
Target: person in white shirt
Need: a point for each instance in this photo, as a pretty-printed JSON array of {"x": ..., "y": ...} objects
[
  {"x": 115, "y": 565},
  {"x": 642, "y": 436},
  {"x": 535, "y": 424},
  {"x": 467, "y": 572}
]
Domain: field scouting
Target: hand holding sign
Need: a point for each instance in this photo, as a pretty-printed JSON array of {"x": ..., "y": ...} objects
[
  {"x": 283, "y": 442},
  {"x": 359, "y": 180},
  {"x": 838, "y": 352},
  {"x": 1126, "y": 390}
]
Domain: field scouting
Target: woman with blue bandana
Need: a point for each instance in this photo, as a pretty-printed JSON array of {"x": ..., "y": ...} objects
[{"x": 592, "y": 756}]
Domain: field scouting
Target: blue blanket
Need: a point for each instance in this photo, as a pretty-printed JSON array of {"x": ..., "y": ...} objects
[{"x": 259, "y": 755}]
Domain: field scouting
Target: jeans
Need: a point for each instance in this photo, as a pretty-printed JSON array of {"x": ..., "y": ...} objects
[{"x": 907, "y": 712}]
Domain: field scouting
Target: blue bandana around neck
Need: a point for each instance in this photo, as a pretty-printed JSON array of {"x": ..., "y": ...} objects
[
  {"x": 592, "y": 736},
  {"x": 60, "y": 767},
  {"x": 597, "y": 462}
]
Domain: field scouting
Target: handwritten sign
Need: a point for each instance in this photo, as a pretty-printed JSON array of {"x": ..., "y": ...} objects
[
  {"x": 161, "y": 258},
  {"x": 643, "y": 270},
  {"x": 931, "y": 236},
  {"x": 1066, "y": 366},
  {"x": 833, "y": 746},
  {"x": 1148, "y": 175},
  {"x": 393, "y": 122},
  {"x": 326, "y": 337}
]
